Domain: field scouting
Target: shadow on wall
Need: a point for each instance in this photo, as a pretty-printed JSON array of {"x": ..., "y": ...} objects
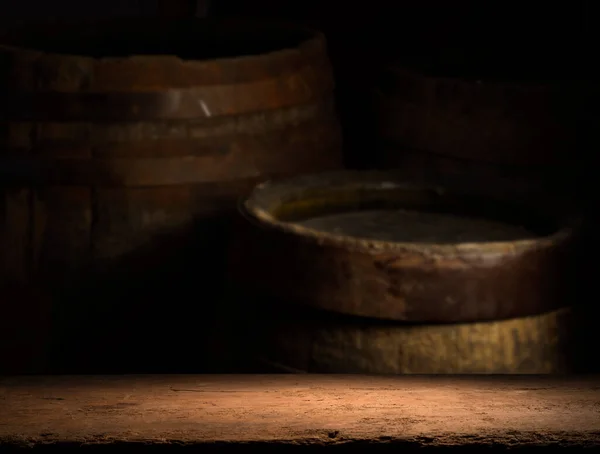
[
  {"x": 113, "y": 292},
  {"x": 11, "y": 10}
]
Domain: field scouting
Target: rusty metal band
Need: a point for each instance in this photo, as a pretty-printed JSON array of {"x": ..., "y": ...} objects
[
  {"x": 299, "y": 88},
  {"x": 274, "y": 142},
  {"x": 163, "y": 171}
]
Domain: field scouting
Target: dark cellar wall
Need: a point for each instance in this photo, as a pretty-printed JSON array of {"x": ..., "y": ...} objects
[
  {"x": 11, "y": 10},
  {"x": 557, "y": 19},
  {"x": 39, "y": 9},
  {"x": 552, "y": 21}
]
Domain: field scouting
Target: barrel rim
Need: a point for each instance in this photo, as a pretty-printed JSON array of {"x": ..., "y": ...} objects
[
  {"x": 312, "y": 38},
  {"x": 256, "y": 210}
]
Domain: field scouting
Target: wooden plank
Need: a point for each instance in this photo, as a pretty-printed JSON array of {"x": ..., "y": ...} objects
[{"x": 306, "y": 410}]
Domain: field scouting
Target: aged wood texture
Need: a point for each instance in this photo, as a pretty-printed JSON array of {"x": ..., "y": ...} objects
[
  {"x": 300, "y": 410},
  {"x": 404, "y": 281},
  {"x": 313, "y": 342},
  {"x": 125, "y": 145}
]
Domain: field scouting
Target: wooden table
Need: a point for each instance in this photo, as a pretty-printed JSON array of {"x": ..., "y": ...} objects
[{"x": 299, "y": 411}]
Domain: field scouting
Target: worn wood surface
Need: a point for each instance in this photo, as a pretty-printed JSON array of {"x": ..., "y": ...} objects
[{"x": 300, "y": 410}]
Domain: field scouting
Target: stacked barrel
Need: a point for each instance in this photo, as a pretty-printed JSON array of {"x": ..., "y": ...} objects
[{"x": 125, "y": 146}]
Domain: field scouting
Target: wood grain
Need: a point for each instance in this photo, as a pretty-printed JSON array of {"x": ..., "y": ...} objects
[
  {"x": 302, "y": 410},
  {"x": 318, "y": 343}
]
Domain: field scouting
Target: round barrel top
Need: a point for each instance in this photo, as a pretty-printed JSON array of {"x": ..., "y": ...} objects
[
  {"x": 279, "y": 203},
  {"x": 409, "y": 280}
]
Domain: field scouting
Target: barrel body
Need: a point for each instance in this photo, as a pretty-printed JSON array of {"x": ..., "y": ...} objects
[
  {"x": 121, "y": 172},
  {"x": 329, "y": 343},
  {"x": 489, "y": 132},
  {"x": 284, "y": 337}
]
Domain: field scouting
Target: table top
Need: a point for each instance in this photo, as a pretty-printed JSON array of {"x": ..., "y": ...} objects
[{"x": 304, "y": 410}]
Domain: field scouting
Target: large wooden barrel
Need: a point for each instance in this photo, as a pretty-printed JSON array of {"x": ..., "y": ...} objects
[
  {"x": 125, "y": 145},
  {"x": 364, "y": 263}
]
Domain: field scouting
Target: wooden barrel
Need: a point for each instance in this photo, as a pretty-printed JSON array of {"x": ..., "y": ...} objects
[
  {"x": 459, "y": 93},
  {"x": 469, "y": 126},
  {"x": 426, "y": 281},
  {"x": 125, "y": 145}
]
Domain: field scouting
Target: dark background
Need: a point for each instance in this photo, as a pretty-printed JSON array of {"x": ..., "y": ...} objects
[{"x": 549, "y": 40}]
